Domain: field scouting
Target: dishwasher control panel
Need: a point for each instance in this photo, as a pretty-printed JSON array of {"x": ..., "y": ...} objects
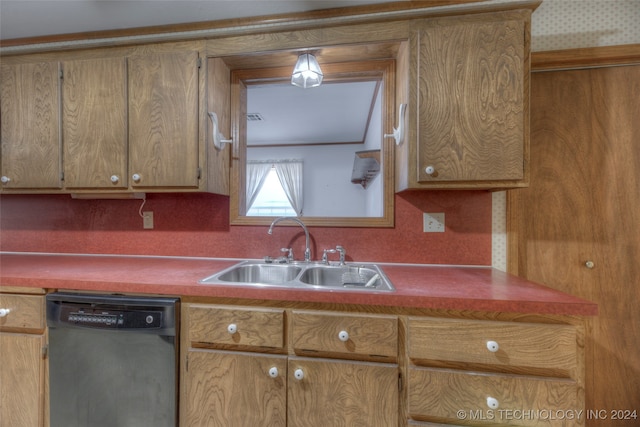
[
  {"x": 152, "y": 315},
  {"x": 105, "y": 317}
]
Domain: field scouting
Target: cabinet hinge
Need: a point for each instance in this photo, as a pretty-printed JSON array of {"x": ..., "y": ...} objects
[
  {"x": 61, "y": 73},
  {"x": 186, "y": 363},
  {"x": 399, "y": 381},
  {"x": 45, "y": 351},
  {"x": 199, "y": 173},
  {"x": 61, "y": 176},
  {"x": 199, "y": 63}
]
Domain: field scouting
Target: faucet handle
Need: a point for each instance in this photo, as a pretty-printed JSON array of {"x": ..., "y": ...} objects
[
  {"x": 325, "y": 258},
  {"x": 289, "y": 252}
]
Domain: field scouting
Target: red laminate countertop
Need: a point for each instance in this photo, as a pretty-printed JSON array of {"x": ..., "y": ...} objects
[{"x": 417, "y": 286}]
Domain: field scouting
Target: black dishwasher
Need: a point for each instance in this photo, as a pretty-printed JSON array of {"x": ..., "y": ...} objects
[{"x": 112, "y": 360}]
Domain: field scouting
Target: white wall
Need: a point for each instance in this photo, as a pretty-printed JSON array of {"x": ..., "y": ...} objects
[
  {"x": 374, "y": 193},
  {"x": 327, "y": 178}
]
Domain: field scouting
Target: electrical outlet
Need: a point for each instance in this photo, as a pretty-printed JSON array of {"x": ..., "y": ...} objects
[
  {"x": 147, "y": 220},
  {"x": 433, "y": 222}
]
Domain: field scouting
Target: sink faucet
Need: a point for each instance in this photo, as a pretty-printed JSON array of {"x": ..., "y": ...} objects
[
  {"x": 339, "y": 249},
  {"x": 307, "y": 249}
]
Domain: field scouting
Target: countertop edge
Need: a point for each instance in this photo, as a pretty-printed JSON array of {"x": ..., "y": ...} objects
[{"x": 487, "y": 290}]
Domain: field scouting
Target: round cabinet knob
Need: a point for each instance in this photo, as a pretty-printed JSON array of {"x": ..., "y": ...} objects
[
  {"x": 589, "y": 264},
  {"x": 232, "y": 328},
  {"x": 298, "y": 374},
  {"x": 343, "y": 336},
  {"x": 273, "y": 372},
  {"x": 5, "y": 179},
  {"x": 492, "y": 346},
  {"x": 4, "y": 312},
  {"x": 430, "y": 170},
  {"x": 492, "y": 403},
  {"x": 115, "y": 179},
  {"x": 136, "y": 177}
]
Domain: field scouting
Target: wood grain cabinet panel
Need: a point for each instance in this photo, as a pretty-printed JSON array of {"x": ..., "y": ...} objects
[
  {"x": 468, "y": 105},
  {"x": 21, "y": 380},
  {"x": 30, "y": 126},
  {"x": 94, "y": 123},
  {"x": 413, "y": 423},
  {"x": 254, "y": 376},
  {"x": 163, "y": 120},
  {"x": 22, "y": 362},
  {"x": 26, "y": 313},
  {"x": 490, "y": 372},
  {"x": 236, "y": 326},
  {"x": 364, "y": 335},
  {"x": 235, "y": 389},
  {"x": 440, "y": 394},
  {"x": 342, "y": 393},
  {"x": 541, "y": 349}
]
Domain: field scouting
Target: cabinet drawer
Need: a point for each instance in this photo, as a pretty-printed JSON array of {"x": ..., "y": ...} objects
[
  {"x": 413, "y": 423},
  {"x": 542, "y": 349},
  {"x": 441, "y": 395},
  {"x": 236, "y": 326},
  {"x": 26, "y": 312},
  {"x": 367, "y": 335}
]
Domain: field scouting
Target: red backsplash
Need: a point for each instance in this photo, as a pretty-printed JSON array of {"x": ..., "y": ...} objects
[{"x": 198, "y": 225}]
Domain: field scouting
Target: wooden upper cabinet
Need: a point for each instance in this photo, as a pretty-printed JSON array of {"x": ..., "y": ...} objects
[
  {"x": 468, "y": 102},
  {"x": 163, "y": 120},
  {"x": 94, "y": 123},
  {"x": 30, "y": 126}
]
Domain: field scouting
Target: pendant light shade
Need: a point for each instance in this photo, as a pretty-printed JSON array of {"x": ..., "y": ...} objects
[{"x": 307, "y": 72}]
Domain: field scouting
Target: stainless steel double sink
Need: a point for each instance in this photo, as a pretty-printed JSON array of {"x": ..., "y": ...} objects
[{"x": 304, "y": 275}]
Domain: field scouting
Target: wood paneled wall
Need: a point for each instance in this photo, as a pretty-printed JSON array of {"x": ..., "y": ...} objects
[{"x": 577, "y": 227}]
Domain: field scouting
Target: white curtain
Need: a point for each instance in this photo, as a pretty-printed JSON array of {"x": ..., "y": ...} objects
[
  {"x": 290, "y": 175},
  {"x": 256, "y": 174}
]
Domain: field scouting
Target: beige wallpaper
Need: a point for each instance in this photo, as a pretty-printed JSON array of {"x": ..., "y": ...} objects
[{"x": 569, "y": 24}]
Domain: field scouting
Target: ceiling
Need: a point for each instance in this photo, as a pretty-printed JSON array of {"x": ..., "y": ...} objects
[
  {"x": 282, "y": 114},
  {"x": 34, "y": 18}
]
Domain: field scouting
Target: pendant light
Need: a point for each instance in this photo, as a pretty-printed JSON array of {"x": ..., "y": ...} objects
[{"x": 307, "y": 72}]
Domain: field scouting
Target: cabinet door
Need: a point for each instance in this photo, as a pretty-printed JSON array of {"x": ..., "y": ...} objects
[
  {"x": 163, "y": 120},
  {"x": 328, "y": 393},
  {"x": 470, "y": 93},
  {"x": 228, "y": 389},
  {"x": 94, "y": 123},
  {"x": 21, "y": 380},
  {"x": 586, "y": 240},
  {"x": 30, "y": 126}
]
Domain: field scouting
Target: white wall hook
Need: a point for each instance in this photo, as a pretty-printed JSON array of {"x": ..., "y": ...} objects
[
  {"x": 398, "y": 133},
  {"x": 218, "y": 139}
]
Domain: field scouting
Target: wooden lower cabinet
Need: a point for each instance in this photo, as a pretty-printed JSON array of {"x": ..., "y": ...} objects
[
  {"x": 452, "y": 396},
  {"x": 485, "y": 372},
  {"x": 306, "y": 365},
  {"x": 241, "y": 369},
  {"x": 324, "y": 393},
  {"x": 236, "y": 389},
  {"x": 22, "y": 361},
  {"x": 21, "y": 380}
]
